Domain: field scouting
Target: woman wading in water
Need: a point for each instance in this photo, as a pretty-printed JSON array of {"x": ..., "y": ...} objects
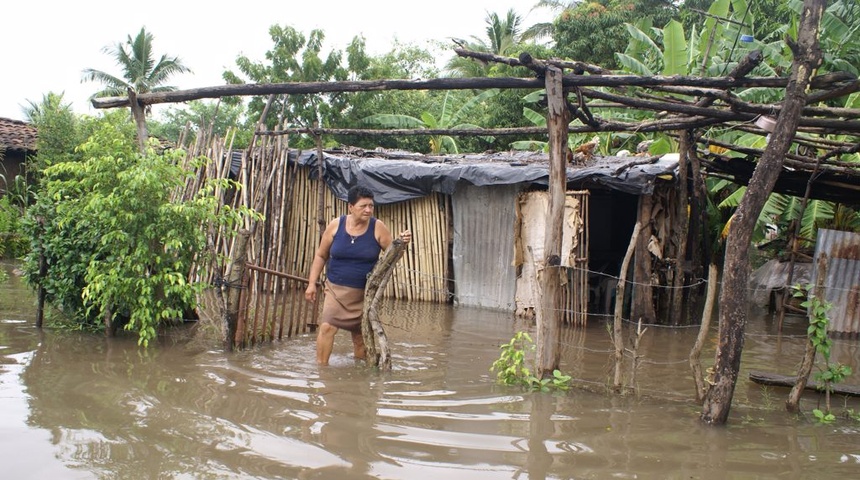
[{"x": 349, "y": 249}]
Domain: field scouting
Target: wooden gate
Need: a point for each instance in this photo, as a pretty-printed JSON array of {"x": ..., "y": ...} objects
[{"x": 272, "y": 306}]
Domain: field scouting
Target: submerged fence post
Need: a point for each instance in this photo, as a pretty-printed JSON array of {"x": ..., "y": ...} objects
[
  {"x": 619, "y": 307},
  {"x": 375, "y": 341},
  {"x": 231, "y": 290}
]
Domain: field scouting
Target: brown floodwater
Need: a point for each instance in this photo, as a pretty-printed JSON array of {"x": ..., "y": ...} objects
[{"x": 80, "y": 406}]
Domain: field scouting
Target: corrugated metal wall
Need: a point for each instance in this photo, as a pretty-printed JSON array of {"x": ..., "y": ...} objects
[
  {"x": 842, "y": 284},
  {"x": 483, "y": 248}
]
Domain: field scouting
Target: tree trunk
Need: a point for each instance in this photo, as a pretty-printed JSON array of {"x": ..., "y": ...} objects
[
  {"x": 139, "y": 115},
  {"x": 375, "y": 340},
  {"x": 110, "y": 323},
  {"x": 733, "y": 297},
  {"x": 700, "y": 243},
  {"x": 548, "y": 316}
]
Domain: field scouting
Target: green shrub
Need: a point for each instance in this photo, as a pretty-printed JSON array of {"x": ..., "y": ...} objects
[
  {"x": 12, "y": 242},
  {"x": 114, "y": 242}
]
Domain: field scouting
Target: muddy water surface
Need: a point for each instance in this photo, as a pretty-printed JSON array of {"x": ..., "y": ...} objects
[{"x": 78, "y": 406}]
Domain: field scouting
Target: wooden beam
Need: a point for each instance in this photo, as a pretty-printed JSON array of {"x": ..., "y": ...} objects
[
  {"x": 776, "y": 380},
  {"x": 470, "y": 83}
]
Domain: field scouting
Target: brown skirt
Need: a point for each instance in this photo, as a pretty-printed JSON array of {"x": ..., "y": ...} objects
[{"x": 343, "y": 307}]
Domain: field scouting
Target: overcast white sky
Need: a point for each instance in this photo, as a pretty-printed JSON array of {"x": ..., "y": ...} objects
[{"x": 45, "y": 44}]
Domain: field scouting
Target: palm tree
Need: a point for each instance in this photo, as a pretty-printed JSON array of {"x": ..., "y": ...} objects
[
  {"x": 140, "y": 72},
  {"x": 503, "y": 35},
  {"x": 544, "y": 30}
]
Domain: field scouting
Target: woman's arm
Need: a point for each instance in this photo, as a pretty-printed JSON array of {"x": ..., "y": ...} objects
[
  {"x": 384, "y": 237},
  {"x": 320, "y": 258}
]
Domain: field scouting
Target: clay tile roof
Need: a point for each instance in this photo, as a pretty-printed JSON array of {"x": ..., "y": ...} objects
[{"x": 17, "y": 135}]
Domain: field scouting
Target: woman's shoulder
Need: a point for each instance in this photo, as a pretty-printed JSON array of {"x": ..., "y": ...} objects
[
  {"x": 379, "y": 227},
  {"x": 334, "y": 224}
]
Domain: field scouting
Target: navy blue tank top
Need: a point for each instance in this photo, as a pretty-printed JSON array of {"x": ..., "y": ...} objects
[{"x": 351, "y": 258}]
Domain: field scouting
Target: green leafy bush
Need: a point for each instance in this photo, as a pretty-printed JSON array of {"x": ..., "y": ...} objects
[
  {"x": 12, "y": 242},
  {"x": 114, "y": 242}
]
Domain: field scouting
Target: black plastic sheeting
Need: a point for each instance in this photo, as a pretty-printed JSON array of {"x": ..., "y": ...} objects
[{"x": 396, "y": 180}]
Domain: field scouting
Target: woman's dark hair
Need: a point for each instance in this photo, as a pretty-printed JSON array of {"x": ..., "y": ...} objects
[{"x": 358, "y": 192}]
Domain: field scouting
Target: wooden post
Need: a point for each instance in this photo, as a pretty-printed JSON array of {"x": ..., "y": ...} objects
[
  {"x": 321, "y": 219},
  {"x": 642, "y": 303},
  {"x": 619, "y": 307},
  {"x": 696, "y": 351},
  {"x": 375, "y": 341},
  {"x": 547, "y": 314},
  {"x": 793, "y": 402},
  {"x": 679, "y": 230},
  {"x": 231, "y": 288}
]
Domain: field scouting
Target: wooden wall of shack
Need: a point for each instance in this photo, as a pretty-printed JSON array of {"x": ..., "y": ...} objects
[{"x": 287, "y": 197}]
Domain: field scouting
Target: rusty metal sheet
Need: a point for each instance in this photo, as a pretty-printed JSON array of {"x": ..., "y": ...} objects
[{"x": 842, "y": 282}]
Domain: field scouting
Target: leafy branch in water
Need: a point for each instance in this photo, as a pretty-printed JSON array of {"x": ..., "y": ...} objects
[
  {"x": 832, "y": 373},
  {"x": 511, "y": 367}
]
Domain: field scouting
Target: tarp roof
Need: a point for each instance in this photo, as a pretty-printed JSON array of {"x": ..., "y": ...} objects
[{"x": 399, "y": 176}]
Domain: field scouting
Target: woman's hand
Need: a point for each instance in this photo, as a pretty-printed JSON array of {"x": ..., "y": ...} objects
[
  {"x": 406, "y": 236},
  {"x": 311, "y": 292}
]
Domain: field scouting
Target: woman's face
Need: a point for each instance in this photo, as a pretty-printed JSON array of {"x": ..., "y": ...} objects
[{"x": 362, "y": 208}]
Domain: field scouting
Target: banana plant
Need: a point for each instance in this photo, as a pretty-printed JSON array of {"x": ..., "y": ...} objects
[
  {"x": 670, "y": 52},
  {"x": 448, "y": 118},
  {"x": 610, "y": 142}
]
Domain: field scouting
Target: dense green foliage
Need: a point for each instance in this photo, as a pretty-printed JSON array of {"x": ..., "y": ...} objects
[
  {"x": 199, "y": 117},
  {"x": 294, "y": 57},
  {"x": 402, "y": 62},
  {"x": 59, "y": 131},
  {"x": 12, "y": 242},
  {"x": 58, "y": 134},
  {"x": 113, "y": 240},
  {"x": 594, "y": 31}
]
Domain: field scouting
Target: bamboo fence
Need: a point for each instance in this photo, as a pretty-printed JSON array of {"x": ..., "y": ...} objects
[{"x": 283, "y": 243}]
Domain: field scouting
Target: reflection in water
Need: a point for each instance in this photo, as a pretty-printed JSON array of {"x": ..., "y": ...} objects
[{"x": 80, "y": 406}]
